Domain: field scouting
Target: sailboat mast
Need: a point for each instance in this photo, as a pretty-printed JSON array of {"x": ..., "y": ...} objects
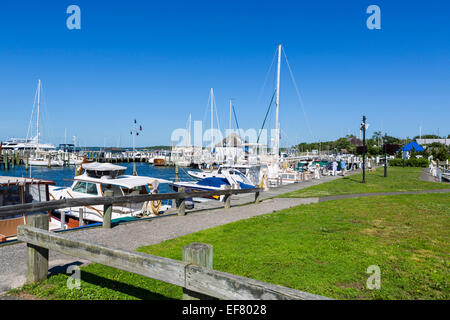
[
  {"x": 229, "y": 125},
  {"x": 37, "y": 118},
  {"x": 189, "y": 130},
  {"x": 212, "y": 123},
  {"x": 277, "y": 124}
]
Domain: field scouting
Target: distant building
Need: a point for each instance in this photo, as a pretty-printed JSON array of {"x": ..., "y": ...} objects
[{"x": 430, "y": 141}]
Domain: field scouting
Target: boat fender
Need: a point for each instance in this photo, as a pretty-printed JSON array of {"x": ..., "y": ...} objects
[{"x": 155, "y": 204}]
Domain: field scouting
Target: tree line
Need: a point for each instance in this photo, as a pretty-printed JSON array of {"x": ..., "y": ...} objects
[{"x": 374, "y": 144}]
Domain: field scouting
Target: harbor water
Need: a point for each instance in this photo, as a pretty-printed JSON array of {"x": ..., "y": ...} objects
[{"x": 63, "y": 176}]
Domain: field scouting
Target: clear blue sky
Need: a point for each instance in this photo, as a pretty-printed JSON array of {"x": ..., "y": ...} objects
[{"x": 157, "y": 60}]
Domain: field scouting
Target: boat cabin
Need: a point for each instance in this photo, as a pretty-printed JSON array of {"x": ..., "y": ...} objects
[{"x": 16, "y": 190}]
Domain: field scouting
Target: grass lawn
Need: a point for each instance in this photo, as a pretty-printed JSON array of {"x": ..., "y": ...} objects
[
  {"x": 323, "y": 248},
  {"x": 398, "y": 179}
]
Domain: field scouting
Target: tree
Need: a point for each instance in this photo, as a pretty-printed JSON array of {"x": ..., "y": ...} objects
[
  {"x": 377, "y": 136},
  {"x": 438, "y": 151}
]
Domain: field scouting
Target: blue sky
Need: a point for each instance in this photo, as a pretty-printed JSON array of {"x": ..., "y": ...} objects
[{"x": 157, "y": 60}]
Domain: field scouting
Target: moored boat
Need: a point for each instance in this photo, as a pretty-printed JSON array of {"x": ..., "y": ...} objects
[{"x": 99, "y": 177}]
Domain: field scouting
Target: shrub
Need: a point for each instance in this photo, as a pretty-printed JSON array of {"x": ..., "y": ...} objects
[{"x": 413, "y": 162}]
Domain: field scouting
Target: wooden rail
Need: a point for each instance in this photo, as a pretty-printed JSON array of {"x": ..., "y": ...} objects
[
  {"x": 108, "y": 201},
  {"x": 189, "y": 274}
]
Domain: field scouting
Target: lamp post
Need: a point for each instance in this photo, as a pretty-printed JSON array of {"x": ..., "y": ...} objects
[
  {"x": 385, "y": 154},
  {"x": 364, "y": 127}
]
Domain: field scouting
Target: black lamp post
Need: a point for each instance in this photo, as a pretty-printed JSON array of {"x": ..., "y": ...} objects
[
  {"x": 363, "y": 128},
  {"x": 385, "y": 154}
]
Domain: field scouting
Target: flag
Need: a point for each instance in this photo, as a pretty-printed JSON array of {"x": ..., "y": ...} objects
[
  {"x": 140, "y": 128},
  {"x": 134, "y": 120}
]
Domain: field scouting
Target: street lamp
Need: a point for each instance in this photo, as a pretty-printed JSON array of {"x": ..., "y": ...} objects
[
  {"x": 364, "y": 126},
  {"x": 385, "y": 154}
]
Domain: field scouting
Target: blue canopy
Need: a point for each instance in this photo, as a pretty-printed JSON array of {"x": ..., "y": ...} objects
[{"x": 412, "y": 145}]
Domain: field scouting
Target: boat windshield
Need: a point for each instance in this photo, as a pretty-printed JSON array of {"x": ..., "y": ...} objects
[
  {"x": 244, "y": 178},
  {"x": 85, "y": 187}
]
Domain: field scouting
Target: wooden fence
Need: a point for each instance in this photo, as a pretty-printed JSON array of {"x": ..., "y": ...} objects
[
  {"x": 108, "y": 201},
  {"x": 194, "y": 274}
]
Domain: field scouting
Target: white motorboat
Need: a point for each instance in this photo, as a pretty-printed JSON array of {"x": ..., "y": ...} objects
[
  {"x": 47, "y": 160},
  {"x": 228, "y": 178},
  {"x": 17, "y": 144},
  {"x": 253, "y": 173},
  {"x": 98, "y": 177}
]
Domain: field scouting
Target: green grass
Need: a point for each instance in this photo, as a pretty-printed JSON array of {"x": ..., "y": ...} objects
[
  {"x": 398, "y": 179},
  {"x": 323, "y": 248}
]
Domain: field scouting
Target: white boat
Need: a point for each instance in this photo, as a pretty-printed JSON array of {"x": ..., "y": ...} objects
[
  {"x": 45, "y": 160},
  {"x": 228, "y": 178},
  {"x": 253, "y": 173},
  {"x": 98, "y": 177},
  {"x": 30, "y": 144},
  {"x": 17, "y": 144}
]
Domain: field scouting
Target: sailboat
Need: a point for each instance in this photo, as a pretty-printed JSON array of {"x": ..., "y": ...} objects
[{"x": 40, "y": 157}]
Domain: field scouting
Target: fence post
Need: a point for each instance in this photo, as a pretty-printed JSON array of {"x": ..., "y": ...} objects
[
  {"x": 199, "y": 254},
  {"x": 63, "y": 219},
  {"x": 37, "y": 257},
  {"x": 81, "y": 217},
  {"x": 107, "y": 210},
  {"x": 182, "y": 206},
  {"x": 257, "y": 197},
  {"x": 227, "y": 198}
]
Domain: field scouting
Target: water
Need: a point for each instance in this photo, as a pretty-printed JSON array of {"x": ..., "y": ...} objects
[{"x": 60, "y": 174}]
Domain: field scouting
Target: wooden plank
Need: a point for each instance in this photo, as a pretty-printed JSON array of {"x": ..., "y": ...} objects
[
  {"x": 196, "y": 278},
  {"x": 231, "y": 287},
  {"x": 167, "y": 270},
  {"x": 89, "y": 201}
]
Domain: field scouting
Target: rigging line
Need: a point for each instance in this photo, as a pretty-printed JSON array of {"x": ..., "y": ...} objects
[
  {"x": 217, "y": 116},
  {"x": 267, "y": 76},
  {"x": 217, "y": 122},
  {"x": 235, "y": 119},
  {"x": 298, "y": 94},
  {"x": 30, "y": 126},
  {"x": 207, "y": 108},
  {"x": 48, "y": 133},
  {"x": 287, "y": 138},
  {"x": 265, "y": 118}
]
